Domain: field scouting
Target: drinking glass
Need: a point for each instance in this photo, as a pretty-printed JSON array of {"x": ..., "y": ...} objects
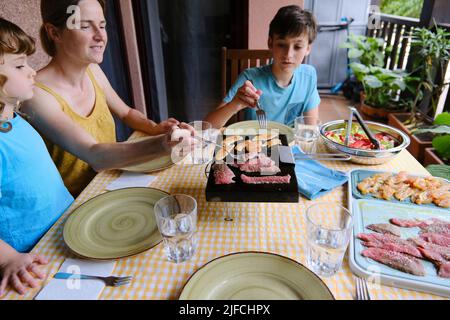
[
  {"x": 329, "y": 227},
  {"x": 306, "y": 133},
  {"x": 176, "y": 217},
  {"x": 203, "y": 152}
]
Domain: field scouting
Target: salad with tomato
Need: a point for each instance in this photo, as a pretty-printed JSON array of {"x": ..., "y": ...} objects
[{"x": 359, "y": 140}]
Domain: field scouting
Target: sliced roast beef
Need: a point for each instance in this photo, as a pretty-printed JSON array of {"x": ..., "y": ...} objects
[
  {"x": 223, "y": 174},
  {"x": 389, "y": 242},
  {"x": 266, "y": 179},
  {"x": 437, "y": 238},
  {"x": 385, "y": 228},
  {"x": 395, "y": 260}
]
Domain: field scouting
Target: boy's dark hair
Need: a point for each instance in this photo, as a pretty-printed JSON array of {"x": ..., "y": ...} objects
[{"x": 293, "y": 21}]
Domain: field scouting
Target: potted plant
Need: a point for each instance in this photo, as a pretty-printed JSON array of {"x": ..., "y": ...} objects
[
  {"x": 429, "y": 55},
  {"x": 440, "y": 153},
  {"x": 367, "y": 51},
  {"x": 382, "y": 90}
]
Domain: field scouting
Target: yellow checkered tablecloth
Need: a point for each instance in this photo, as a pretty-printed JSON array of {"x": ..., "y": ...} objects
[{"x": 268, "y": 227}]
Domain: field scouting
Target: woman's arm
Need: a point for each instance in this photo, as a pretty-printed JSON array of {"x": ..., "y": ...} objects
[
  {"x": 131, "y": 117},
  {"x": 54, "y": 124}
]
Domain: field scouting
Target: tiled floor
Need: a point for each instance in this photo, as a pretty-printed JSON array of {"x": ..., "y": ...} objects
[{"x": 334, "y": 108}]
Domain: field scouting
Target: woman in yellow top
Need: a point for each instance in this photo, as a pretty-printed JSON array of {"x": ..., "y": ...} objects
[{"x": 74, "y": 100}]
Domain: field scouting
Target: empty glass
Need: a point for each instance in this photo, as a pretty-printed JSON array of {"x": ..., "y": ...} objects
[
  {"x": 329, "y": 227},
  {"x": 176, "y": 217},
  {"x": 203, "y": 152},
  {"x": 307, "y": 133}
]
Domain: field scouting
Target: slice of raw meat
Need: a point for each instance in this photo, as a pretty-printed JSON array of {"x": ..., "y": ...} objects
[
  {"x": 405, "y": 223},
  {"x": 444, "y": 251},
  {"x": 441, "y": 264},
  {"x": 444, "y": 270},
  {"x": 389, "y": 242},
  {"x": 268, "y": 179},
  {"x": 437, "y": 238},
  {"x": 223, "y": 174},
  {"x": 385, "y": 228},
  {"x": 395, "y": 260}
]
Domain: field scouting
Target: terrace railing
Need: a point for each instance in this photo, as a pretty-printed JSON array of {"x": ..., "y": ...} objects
[{"x": 396, "y": 32}]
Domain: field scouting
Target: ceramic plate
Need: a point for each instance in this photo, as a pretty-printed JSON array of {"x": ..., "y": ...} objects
[
  {"x": 114, "y": 225},
  {"x": 152, "y": 165},
  {"x": 253, "y": 125},
  {"x": 255, "y": 276}
]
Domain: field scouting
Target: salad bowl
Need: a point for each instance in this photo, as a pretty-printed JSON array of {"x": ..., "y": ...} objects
[{"x": 331, "y": 133}]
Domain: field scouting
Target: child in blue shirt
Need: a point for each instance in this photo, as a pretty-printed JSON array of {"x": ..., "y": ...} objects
[
  {"x": 286, "y": 88},
  {"x": 32, "y": 193}
]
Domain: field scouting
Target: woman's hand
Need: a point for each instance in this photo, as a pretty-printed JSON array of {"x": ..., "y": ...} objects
[
  {"x": 165, "y": 126},
  {"x": 179, "y": 141},
  {"x": 21, "y": 270},
  {"x": 247, "y": 95}
]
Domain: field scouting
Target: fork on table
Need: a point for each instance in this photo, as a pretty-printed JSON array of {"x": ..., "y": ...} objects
[
  {"x": 111, "y": 281},
  {"x": 362, "y": 291}
]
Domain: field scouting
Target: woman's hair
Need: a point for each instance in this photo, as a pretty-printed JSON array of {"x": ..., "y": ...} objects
[
  {"x": 55, "y": 13},
  {"x": 13, "y": 40},
  {"x": 293, "y": 21}
]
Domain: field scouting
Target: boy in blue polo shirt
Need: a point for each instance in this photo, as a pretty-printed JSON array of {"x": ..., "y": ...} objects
[{"x": 286, "y": 88}]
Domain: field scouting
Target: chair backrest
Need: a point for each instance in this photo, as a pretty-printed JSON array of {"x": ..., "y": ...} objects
[{"x": 238, "y": 60}]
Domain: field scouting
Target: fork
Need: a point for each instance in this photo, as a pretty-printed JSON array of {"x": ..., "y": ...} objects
[
  {"x": 111, "y": 281},
  {"x": 260, "y": 114},
  {"x": 362, "y": 291}
]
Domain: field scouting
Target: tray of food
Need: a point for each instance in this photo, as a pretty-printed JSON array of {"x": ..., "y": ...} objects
[
  {"x": 248, "y": 168},
  {"x": 400, "y": 243}
]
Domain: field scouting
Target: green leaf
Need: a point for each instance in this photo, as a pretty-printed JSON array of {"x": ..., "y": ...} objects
[
  {"x": 443, "y": 119},
  {"x": 400, "y": 83},
  {"x": 437, "y": 130},
  {"x": 358, "y": 67},
  {"x": 346, "y": 45},
  {"x": 442, "y": 145},
  {"x": 354, "y": 53},
  {"x": 439, "y": 170},
  {"x": 372, "y": 82}
]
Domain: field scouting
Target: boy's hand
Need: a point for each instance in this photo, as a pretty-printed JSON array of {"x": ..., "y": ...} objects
[
  {"x": 20, "y": 271},
  {"x": 247, "y": 95}
]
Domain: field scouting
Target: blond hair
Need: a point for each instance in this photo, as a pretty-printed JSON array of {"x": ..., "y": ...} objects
[
  {"x": 13, "y": 40},
  {"x": 54, "y": 12}
]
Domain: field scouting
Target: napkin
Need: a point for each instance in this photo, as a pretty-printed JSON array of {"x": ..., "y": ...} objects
[
  {"x": 74, "y": 289},
  {"x": 131, "y": 179},
  {"x": 314, "y": 179}
]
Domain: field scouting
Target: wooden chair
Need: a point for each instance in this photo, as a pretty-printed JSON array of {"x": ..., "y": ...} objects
[{"x": 234, "y": 61}]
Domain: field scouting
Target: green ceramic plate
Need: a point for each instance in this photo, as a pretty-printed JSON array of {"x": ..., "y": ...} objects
[
  {"x": 253, "y": 125},
  {"x": 114, "y": 225},
  {"x": 150, "y": 166},
  {"x": 255, "y": 276}
]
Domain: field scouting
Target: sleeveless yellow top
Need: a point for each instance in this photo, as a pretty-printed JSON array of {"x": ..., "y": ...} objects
[{"x": 100, "y": 124}]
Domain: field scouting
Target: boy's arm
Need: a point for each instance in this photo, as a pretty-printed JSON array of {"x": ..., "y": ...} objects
[
  {"x": 312, "y": 113},
  {"x": 246, "y": 96},
  {"x": 219, "y": 117}
]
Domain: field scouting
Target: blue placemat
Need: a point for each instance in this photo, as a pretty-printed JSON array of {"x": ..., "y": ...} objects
[{"x": 314, "y": 179}]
